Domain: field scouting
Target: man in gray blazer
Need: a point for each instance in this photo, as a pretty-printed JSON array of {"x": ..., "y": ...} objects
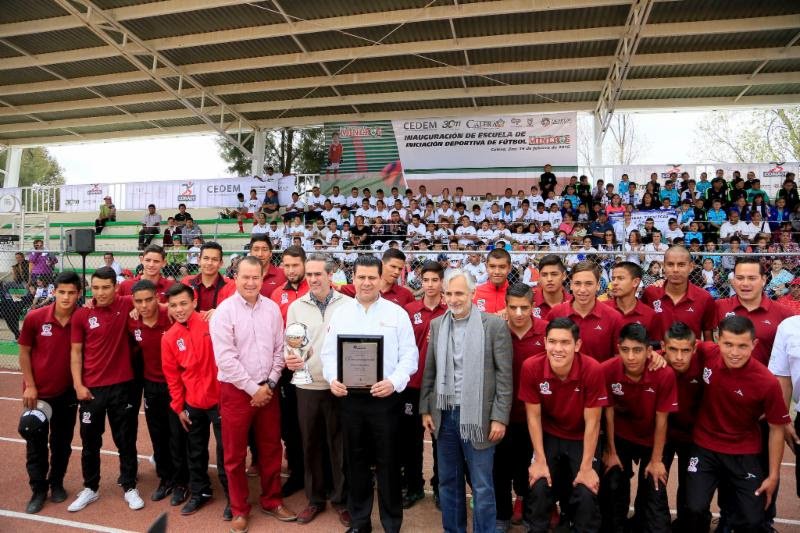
[{"x": 465, "y": 401}]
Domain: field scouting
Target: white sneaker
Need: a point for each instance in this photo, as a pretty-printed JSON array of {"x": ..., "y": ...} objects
[
  {"x": 135, "y": 501},
  {"x": 85, "y": 497}
]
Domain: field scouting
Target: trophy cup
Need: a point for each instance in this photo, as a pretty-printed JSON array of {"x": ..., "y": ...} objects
[{"x": 297, "y": 344}]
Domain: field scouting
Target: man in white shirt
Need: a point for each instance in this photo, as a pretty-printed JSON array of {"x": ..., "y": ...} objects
[
  {"x": 416, "y": 228},
  {"x": 150, "y": 227},
  {"x": 673, "y": 232},
  {"x": 444, "y": 211},
  {"x": 466, "y": 232},
  {"x": 354, "y": 200},
  {"x": 652, "y": 250},
  {"x": 487, "y": 204},
  {"x": 371, "y": 416},
  {"x": 785, "y": 364},
  {"x": 294, "y": 208},
  {"x": 535, "y": 197},
  {"x": 755, "y": 226},
  {"x": 316, "y": 203},
  {"x": 477, "y": 268},
  {"x": 476, "y": 216},
  {"x": 733, "y": 227},
  {"x": 337, "y": 199},
  {"x": 365, "y": 211},
  {"x": 509, "y": 197},
  {"x": 486, "y": 234},
  {"x": 329, "y": 212}
]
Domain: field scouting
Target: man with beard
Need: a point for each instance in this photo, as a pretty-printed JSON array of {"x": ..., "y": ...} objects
[{"x": 394, "y": 261}]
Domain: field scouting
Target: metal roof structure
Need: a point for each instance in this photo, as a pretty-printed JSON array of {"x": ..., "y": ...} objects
[{"x": 83, "y": 70}]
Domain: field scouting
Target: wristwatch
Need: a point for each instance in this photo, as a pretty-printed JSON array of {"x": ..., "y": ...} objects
[{"x": 271, "y": 384}]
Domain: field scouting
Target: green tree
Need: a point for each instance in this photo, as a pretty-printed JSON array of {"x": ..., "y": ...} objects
[
  {"x": 288, "y": 150},
  {"x": 38, "y": 167},
  {"x": 760, "y": 135}
]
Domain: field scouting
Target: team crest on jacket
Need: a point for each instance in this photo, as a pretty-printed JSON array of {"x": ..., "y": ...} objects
[
  {"x": 417, "y": 318},
  {"x": 657, "y": 306},
  {"x": 616, "y": 388},
  {"x": 137, "y": 334},
  {"x": 537, "y": 312},
  {"x": 93, "y": 322},
  {"x": 47, "y": 330},
  {"x": 181, "y": 345},
  {"x": 693, "y": 462},
  {"x": 544, "y": 388},
  {"x": 707, "y": 375},
  {"x": 284, "y": 298}
]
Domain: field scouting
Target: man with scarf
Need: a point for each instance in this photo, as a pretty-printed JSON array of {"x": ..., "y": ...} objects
[{"x": 465, "y": 401}]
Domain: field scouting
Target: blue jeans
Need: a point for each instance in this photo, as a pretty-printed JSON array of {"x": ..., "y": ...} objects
[{"x": 451, "y": 454}]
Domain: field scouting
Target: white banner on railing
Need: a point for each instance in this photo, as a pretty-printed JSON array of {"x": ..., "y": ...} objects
[
  {"x": 86, "y": 197},
  {"x": 220, "y": 192}
]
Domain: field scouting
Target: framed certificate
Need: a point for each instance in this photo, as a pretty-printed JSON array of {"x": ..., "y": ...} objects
[{"x": 359, "y": 360}]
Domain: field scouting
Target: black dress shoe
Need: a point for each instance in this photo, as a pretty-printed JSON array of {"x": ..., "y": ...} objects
[
  {"x": 58, "y": 494},
  {"x": 36, "y": 503},
  {"x": 195, "y": 504},
  {"x": 411, "y": 498},
  {"x": 291, "y": 486},
  {"x": 227, "y": 514},
  {"x": 179, "y": 495},
  {"x": 164, "y": 489},
  {"x": 359, "y": 530}
]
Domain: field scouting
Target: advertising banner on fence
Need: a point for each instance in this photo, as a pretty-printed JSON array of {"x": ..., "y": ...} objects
[
  {"x": 86, "y": 197},
  {"x": 468, "y": 150},
  {"x": 361, "y": 154},
  {"x": 220, "y": 192}
]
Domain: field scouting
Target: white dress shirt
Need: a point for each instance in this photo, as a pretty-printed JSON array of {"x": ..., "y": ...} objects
[
  {"x": 400, "y": 355},
  {"x": 785, "y": 358}
]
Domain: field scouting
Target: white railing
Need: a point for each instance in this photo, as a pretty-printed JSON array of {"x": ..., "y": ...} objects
[{"x": 222, "y": 192}]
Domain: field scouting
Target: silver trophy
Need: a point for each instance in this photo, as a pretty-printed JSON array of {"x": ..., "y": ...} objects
[{"x": 297, "y": 344}]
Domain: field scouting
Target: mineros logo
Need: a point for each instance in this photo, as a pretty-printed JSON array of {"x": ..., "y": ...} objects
[
  {"x": 417, "y": 318},
  {"x": 376, "y": 131},
  {"x": 616, "y": 388},
  {"x": 693, "y": 462},
  {"x": 181, "y": 345},
  {"x": 188, "y": 194},
  {"x": 544, "y": 388},
  {"x": 86, "y": 418},
  {"x": 137, "y": 334},
  {"x": 284, "y": 298},
  {"x": 540, "y": 140},
  {"x": 707, "y": 375},
  {"x": 47, "y": 330},
  {"x": 94, "y": 189},
  {"x": 657, "y": 306},
  {"x": 545, "y": 122},
  {"x": 93, "y": 322}
]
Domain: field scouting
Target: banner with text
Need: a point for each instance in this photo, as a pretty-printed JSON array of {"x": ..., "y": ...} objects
[
  {"x": 86, "y": 197},
  {"x": 497, "y": 147},
  {"x": 361, "y": 154},
  {"x": 220, "y": 192}
]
